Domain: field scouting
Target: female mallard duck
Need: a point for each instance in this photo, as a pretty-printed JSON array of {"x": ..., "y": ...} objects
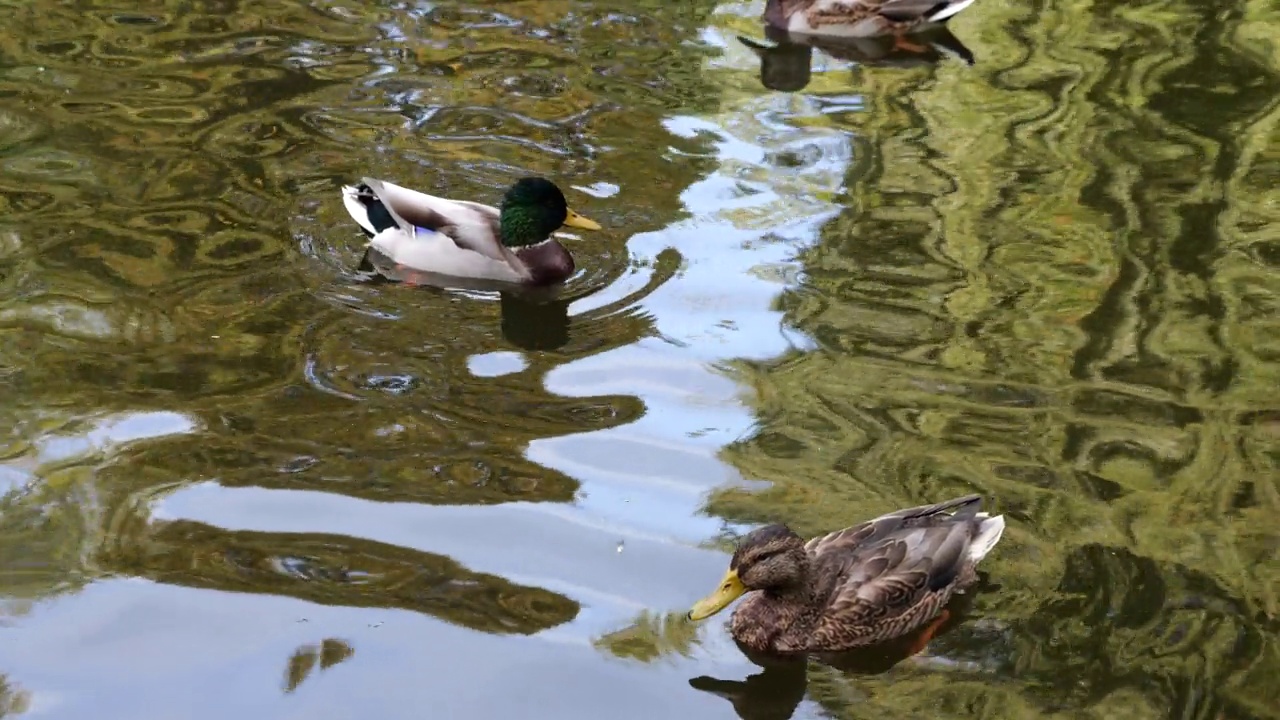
[
  {"x": 467, "y": 239},
  {"x": 786, "y": 66},
  {"x": 855, "y": 587},
  {"x": 860, "y": 18}
]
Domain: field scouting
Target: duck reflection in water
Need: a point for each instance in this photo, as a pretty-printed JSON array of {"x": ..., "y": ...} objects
[
  {"x": 533, "y": 318},
  {"x": 785, "y": 66},
  {"x": 777, "y": 691}
]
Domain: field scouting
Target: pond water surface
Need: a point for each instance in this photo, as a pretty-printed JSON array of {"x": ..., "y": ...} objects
[{"x": 237, "y": 479}]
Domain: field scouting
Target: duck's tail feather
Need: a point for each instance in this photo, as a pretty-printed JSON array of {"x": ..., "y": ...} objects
[
  {"x": 947, "y": 11},
  {"x": 356, "y": 199},
  {"x": 989, "y": 532},
  {"x": 365, "y": 205}
]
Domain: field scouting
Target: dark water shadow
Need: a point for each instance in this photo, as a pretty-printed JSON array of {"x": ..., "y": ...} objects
[
  {"x": 786, "y": 65},
  {"x": 532, "y": 325},
  {"x": 533, "y": 318},
  {"x": 334, "y": 570},
  {"x": 14, "y": 700},
  {"x": 777, "y": 690}
]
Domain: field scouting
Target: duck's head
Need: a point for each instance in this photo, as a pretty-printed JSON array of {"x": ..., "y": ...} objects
[
  {"x": 771, "y": 558},
  {"x": 533, "y": 209}
]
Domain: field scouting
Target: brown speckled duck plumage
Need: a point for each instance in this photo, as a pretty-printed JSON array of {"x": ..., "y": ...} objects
[
  {"x": 859, "y": 586},
  {"x": 860, "y": 18}
]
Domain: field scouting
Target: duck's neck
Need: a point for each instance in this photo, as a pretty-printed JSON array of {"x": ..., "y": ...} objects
[
  {"x": 765, "y": 617},
  {"x": 548, "y": 262},
  {"x": 801, "y": 594}
]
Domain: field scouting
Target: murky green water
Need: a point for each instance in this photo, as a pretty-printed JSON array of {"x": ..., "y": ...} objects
[{"x": 239, "y": 481}]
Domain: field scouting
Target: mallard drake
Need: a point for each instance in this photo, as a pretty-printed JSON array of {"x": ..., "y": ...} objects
[
  {"x": 860, "y": 18},
  {"x": 467, "y": 239},
  {"x": 854, "y": 587}
]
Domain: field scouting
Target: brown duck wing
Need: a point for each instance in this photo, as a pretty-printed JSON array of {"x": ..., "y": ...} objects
[
  {"x": 484, "y": 232},
  {"x": 873, "y": 531},
  {"x": 885, "y": 576},
  {"x": 895, "y": 572}
]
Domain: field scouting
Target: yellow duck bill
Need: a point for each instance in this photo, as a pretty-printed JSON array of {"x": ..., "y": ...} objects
[
  {"x": 731, "y": 588},
  {"x": 573, "y": 219}
]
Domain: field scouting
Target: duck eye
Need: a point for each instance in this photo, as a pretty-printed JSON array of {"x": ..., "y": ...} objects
[{"x": 765, "y": 556}]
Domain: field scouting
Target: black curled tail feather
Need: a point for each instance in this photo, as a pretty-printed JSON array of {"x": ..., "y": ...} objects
[{"x": 379, "y": 217}]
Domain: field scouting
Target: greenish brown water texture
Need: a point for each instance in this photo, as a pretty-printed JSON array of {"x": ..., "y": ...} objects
[{"x": 237, "y": 479}]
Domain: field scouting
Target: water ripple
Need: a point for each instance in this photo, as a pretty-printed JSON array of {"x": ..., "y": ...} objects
[{"x": 1047, "y": 277}]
